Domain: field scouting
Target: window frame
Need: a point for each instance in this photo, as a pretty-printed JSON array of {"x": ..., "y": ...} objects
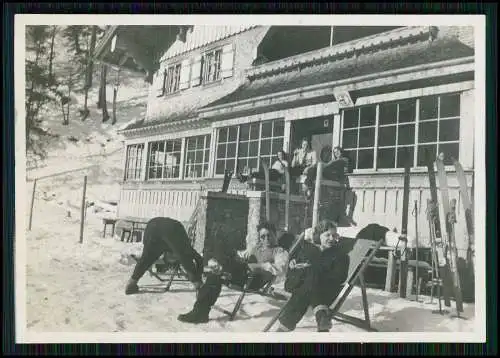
[
  {"x": 138, "y": 161},
  {"x": 207, "y": 138},
  {"x": 238, "y": 142},
  {"x": 417, "y": 122},
  {"x": 148, "y": 160},
  {"x": 176, "y": 78},
  {"x": 213, "y": 51}
]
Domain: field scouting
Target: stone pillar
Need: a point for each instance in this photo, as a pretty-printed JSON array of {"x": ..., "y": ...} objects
[{"x": 255, "y": 209}]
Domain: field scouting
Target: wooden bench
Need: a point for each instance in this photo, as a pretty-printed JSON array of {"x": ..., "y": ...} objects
[{"x": 137, "y": 229}]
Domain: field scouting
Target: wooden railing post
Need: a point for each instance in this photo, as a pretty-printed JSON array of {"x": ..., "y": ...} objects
[{"x": 317, "y": 190}]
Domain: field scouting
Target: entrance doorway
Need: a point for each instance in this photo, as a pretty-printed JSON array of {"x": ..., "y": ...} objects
[{"x": 319, "y": 132}]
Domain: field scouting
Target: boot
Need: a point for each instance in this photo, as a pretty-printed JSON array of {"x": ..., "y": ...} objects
[
  {"x": 199, "y": 314},
  {"x": 323, "y": 319},
  {"x": 131, "y": 287}
]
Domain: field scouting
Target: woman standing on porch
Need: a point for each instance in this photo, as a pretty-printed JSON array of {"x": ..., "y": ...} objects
[{"x": 303, "y": 163}]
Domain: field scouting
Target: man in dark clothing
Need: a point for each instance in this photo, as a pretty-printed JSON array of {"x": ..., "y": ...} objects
[
  {"x": 315, "y": 277},
  {"x": 166, "y": 235},
  {"x": 263, "y": 262}
]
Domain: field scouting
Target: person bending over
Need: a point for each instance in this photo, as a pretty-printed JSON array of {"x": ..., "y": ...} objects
[
  {"x": 315, "y": 278},
  {"x": 166, "y": 235},
  {"x": 266, "y": 261}
]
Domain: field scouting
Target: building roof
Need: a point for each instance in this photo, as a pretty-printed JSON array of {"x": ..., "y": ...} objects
[
  {"x": 202, "y": 35},
  {"x": 149, "y": 41},
  {"x": 352, "y": 65},
  {"x": 186, "y": 114}
]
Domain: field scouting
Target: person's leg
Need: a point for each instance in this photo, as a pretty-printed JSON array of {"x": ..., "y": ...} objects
[
  {"x": 177, "y": 239},
  {"x": 323, "y": 293},
  {"x": 206, "y": 298},
  {"x": 209, "y": 291},
  {"x": 274, "y": 175},
  {"x": 296, "y": 306},
  {"x": 153, "y": 248},
  {"x": 310, "y": 180}
]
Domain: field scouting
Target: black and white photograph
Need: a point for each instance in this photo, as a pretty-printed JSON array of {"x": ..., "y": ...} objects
[{"x": 237, "y": 178}]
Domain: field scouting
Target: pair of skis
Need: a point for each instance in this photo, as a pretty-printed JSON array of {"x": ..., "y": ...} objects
[
  {"x": 448, "y": 266},
  {"x": 265, "y": 168}
]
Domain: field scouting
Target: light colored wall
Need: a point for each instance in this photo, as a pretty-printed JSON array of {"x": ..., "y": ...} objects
[{"x": 245, "y": 45}]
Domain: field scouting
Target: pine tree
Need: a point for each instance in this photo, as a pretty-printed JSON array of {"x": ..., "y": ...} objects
[{"x": 40, "y": 85}]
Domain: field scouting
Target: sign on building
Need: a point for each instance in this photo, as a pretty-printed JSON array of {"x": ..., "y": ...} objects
[{"x": 343, "y": 98}]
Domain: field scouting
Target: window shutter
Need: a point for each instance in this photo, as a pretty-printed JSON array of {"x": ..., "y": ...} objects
[
  {"x": 196, "y": 71},
  {"x": 227, "y": 61},
  {"x": 184, "y": 80},
  {"x": 160, "y": 82}
]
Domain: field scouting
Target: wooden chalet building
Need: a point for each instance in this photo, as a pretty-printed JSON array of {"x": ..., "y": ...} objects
[{"x": 223, "y": 96}]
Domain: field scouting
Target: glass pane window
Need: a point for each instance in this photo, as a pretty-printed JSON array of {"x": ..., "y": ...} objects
[
  {"x": 164, "y": 159},
  {"x": 197, "y": 156},
  {"x": 244, "y": 146},
  {"x": 133, "y": 162},
  {"x": 387, "y": 135}
]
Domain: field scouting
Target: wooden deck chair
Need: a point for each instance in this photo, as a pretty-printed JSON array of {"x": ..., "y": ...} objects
[
  {"x": 362, "y": 253},
  {"x": 174, "y": 274},
  {"x": 266, "y": 291}
]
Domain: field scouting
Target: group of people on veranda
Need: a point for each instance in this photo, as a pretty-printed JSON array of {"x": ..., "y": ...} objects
[
  {"x": 313, "y": 273},
  {"x": 304, "y": 164}
]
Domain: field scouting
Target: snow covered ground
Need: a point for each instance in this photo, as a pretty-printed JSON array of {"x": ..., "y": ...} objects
[{"x": 73, "y": 287}]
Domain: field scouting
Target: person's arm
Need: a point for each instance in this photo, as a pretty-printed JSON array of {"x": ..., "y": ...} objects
[
  {"x": 278, "y": 268},
  {"x": 246, "y": 253},
  {"x": 295, "y": 158},
  {"x": 314, "y": 157},
  {"x": 278, "y": 166}
]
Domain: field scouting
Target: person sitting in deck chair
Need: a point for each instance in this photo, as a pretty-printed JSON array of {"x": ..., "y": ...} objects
[
  {"x": 166, "y": 235},
  {"x": 317, "y": 272},
  {"x": 315, "y": 278},
  {"x": 264, "y": 262}
]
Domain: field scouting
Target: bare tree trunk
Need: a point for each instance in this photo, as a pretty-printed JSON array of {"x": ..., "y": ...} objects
[
  {"x": 116, "y": 85},
  {"x": 102, "y": 94},
  {"x": 51, "y": 57},
  {"x": 66, "y": 100},
  {"x": 89, "y": 71},
  {"x": 115, "y": 92}
]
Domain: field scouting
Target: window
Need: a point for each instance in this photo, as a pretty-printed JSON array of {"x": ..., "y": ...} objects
[
  {"x": 393, "y": 132},
  {"x": 243, "y": 145},
  {"x": 396, "y": 134},
  {"x": 211, "y": 66},
  {"x": 133, "y": 162},
  {"x": 439, "y": 129},
  {"x": 173, "y": 76},
  {"x": 197, "y": 156},
  {"x": 164, "y": 159},
  {"x": 358, "y": 137}
]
